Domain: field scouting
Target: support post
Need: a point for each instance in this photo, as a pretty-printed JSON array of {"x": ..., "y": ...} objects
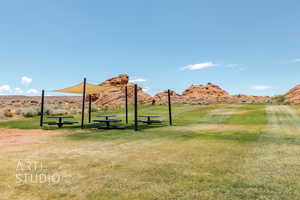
[
  {"x": 83, "y": 103},
  {"x": 170, "y": 108},
  {"x": 135, "y": 108},
  {"x": 90, "y": 108},
  {"x": 42, "y": 108},
  {"x": 126, "y": 104}
]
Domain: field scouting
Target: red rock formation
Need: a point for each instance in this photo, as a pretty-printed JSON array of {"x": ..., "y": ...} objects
[
  {"x": 242, "y": 98},
  {"x": 115, "y": 97},
  {"x": 293, "y": 95},
  {"x": 118, "y": 81},
  {"x": 162, "y": 97},
  {"x": 209, "y": 93}
]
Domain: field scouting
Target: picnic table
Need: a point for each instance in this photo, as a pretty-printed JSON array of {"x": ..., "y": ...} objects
[
  {"x": 60, "y": 121},
  {"x": 149, "y": 120},
  {"x": 107, "y": 122}
]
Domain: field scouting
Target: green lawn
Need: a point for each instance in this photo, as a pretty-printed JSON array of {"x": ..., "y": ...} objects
[{"x": 212, "y": 152}]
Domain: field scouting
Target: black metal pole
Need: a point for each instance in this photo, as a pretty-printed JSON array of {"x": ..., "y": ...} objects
[
  {"x": 42, "y": 108},
  {"x": 135, "y": 108},
  {"x": 170, "y": 108},
  {"x": 126, "y": 104},
  {"x": 83, "y": 103},
  {"x": 90, "y": 108}
]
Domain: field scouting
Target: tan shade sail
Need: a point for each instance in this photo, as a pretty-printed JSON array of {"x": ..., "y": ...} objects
[{"x": 90, "y": 89}]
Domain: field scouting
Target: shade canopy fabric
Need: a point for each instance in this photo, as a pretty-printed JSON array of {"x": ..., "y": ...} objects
[{"x": 78, "y": 89}]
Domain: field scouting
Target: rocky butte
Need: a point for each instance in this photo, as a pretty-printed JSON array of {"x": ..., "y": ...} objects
[
  {"x": 115, "y": 96},
  {"x": 293, "y": 95},
  {"x": 195, "y": 94}
]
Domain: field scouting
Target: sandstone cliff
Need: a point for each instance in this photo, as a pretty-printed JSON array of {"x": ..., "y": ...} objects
[
  {"x": 162, "y": 97},
  {"x": 115, "y": 97},
  {"x": 293, "y": 95},
  {"x": 242, "y": 98},
  {"x": 209, "y": 93}
]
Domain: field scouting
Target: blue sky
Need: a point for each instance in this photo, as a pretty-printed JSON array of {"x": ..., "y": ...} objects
[{"x": 250, "y": 47}]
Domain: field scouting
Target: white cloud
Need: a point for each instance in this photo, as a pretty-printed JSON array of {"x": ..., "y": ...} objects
[
  {"x": 233, "y": 65},
  {"x": 26, "y": 80},
  {"x": 261, "y": 87},
  {"x": 138, "y": 80},
  {"x": 295, "y": 60},
  {"x": 5, "y": 88},
  {"x": 146, "y": 89},
  {"x": 32, "y": 91},
  {"x": 199, "y": 66},
  {"x": 18, "y": 90}
]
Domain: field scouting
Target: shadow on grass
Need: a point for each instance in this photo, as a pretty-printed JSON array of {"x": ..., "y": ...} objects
[
  {"x": 156, "y": 133},
  {"x": 150, "y": 133}
]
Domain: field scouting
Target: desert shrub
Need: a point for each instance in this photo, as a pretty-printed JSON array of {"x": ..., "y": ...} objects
[
  {"x": 8, "y": 113},
  {"x": 105, "y": 109},
  {"x": 30, "y": 112},
  {"x": 161, "y": 103},
  {"x": 18, "y": 112},
  {"x": 47, "y": 111},
  {"x": 94, "y": 109},
  {"x": 280, "y": 99},
  {"x": 75, "y": 111}
]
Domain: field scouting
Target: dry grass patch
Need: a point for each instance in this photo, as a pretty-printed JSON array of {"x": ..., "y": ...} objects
[
  {"x": 217, "y": 128},
  {"x": 220, "y": 115},
  {"x": 132, "y": 170}
]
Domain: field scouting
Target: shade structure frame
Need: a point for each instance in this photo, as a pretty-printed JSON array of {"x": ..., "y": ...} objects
[{"x": 86, "y": 89}]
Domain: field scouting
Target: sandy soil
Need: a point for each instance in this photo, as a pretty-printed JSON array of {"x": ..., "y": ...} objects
[{"x": 16, "y": 136}]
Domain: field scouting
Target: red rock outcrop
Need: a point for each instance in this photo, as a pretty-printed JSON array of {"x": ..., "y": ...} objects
[
  {"x": 162, "y": 97},
  {"x": 209, "y": 93},
  {"x": 195, "y": 94},
  {"x": 119, "y": 81},
  {"x": 242, "y": 98},
  {"x": 293, "y": 95},
  {"x": 115, "y": 97}
]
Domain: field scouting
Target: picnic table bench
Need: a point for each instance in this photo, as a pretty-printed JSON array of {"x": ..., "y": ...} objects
[{"x": 60, "y": 123}]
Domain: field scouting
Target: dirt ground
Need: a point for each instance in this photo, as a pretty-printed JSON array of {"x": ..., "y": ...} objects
[{"x": 17, "y": 136}]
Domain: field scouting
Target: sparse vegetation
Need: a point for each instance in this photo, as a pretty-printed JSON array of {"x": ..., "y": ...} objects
[
  {"x": 94, "y": 109},
  {"x": 30, "y": 112},
  {"x": 8, "y": 113},
  {"x": 279, "y": 99}
]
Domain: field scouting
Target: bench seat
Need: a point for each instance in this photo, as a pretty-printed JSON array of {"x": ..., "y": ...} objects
[
  {"x": 70, "y": 123},
  {"x": 63, "y": 123},
  {"x": 50, "y": 123},
  {"x": 110, "y": 127}
]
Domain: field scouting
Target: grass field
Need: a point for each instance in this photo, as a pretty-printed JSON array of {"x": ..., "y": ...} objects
[{"x": 212, "y": 152}]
